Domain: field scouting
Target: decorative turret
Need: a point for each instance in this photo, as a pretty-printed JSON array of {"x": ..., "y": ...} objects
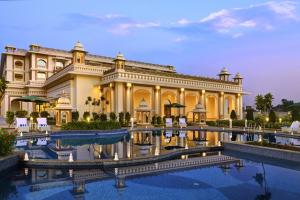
[
  {"x": 78, "y": 53},
  {"x": 10, "y": 49},
  {"x": 224, "y": 75},
  {"x": 238, "y": 79},
  {"x": 119, "y": 62}
]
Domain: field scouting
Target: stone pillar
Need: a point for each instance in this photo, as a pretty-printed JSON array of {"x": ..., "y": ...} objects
[
  {"x": 128, "y": 97},
  {"x": 73, "y": 92},
  {"x": 112, "y": 98},
  {"x": 221, "y": 105},
  {"x": 237, "y": 105},
  {"x": 241, "y": 107},
  {"x": 120, "y": 149},
  {"x": 202, "y": 99},
  {"x": 181, "y": 101},
  {"x": 119, "y": 97},
  {"x": 157, "y": 100},
  {"x": 33, "y": 66},
  {"x": 9, "y": 68}
]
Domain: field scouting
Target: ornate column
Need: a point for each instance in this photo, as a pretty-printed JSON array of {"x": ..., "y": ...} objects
[
  {"x": 221, "y": 105},
  {"x": 241, "y": 107},
  {"x": 181, "y": 101},
  {"x": 112, "y": 97},
  {"x": 157, "y": 99},
  {"x": 202, "y": 98},
  {"x": 237, "y": 104},
  {"x": 119, "y": 97},
  {"x": 128, "y": 97}
]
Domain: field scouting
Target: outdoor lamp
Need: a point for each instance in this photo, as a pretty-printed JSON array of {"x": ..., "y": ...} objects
[
  {"x": 280, "y": 120},
  {"x": 267, "y": 119},
  {"x": 88, "y": 119}
]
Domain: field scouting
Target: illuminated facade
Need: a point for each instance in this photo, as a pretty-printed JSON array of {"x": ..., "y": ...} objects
[{"x": 116, "y": 84}]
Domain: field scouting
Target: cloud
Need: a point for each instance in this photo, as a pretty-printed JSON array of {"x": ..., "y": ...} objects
[
  {"x": 125, "y": 28},
  {"x": 180, "y": 39},
  {"x": 236, "y": 22}
]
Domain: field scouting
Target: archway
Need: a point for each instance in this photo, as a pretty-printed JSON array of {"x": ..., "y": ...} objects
[
  {"x": 190, "y": 103},
  {"x": 15, "y": 106},
  {"x": 229, "y": 105},
  {"x": 139, "y": 96},
  {"x": 212, "y": 107},
  {"x": 166, "y": 98}
]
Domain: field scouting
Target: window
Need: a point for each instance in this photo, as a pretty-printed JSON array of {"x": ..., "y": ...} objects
[
  {"x": 19, "y": 64},
  {"x": 19, "y": 77},
  {"x": 59, "y": 65},
  {"x": 41, "y": 76},
  {"x": 41, "y": 64}
]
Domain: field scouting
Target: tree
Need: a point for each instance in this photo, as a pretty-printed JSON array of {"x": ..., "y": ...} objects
[
  {"x": 233, "y": 115},
  {"x": 249, "y": 115},
  {"x": 268, "y": 99},
  {"x": 3, "y": 85},
  {"x": 10, "y": 117},
  {"x": 272, "y": 116},
  {"x": 260, "y": 102},
  {"x": 286, "y": 104},
  {"x": 6, "y": 142},
  {"x": 103, "y": 117},
  {"x": 45, "y": 114},
  {"x": 295, "y": 115}
]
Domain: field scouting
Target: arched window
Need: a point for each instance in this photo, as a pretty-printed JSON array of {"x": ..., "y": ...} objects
[
  {"x": 19, "y": 64},
  {"x": 59, "y": 65},
  {"x": 41, "y": 64}
]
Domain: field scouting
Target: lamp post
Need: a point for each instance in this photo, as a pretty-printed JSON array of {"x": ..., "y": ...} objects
[{"x": 267, "y": 121}]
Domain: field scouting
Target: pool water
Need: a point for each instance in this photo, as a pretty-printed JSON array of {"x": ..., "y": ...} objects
[
  {"x": 146, "y": 143},
  {"x": 256, "y": 180}
]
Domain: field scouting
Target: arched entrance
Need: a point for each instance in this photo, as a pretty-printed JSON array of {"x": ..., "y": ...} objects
[
  {"x": 229, "y": 105},
  {"x": 190, "y": 103},
  {"x": 141, "y": 95},
  {"x": 212, "y": 107},
  {"x": 15, "y": 105},
  {"x": 168, "y": 97}
]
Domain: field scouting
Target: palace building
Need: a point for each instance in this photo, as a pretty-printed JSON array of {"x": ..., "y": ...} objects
[{"x": 103, "y": 84}]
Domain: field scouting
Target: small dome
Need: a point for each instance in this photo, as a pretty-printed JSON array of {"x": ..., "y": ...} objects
[
  {"x": 120, "y": 56},
  {"x": 224, "y": 71},
  {"x": 78, "y": 47},
  {"x": 238, "y": 76},
  {"x": 143, "y": 104},
  {"x": 64, "y": 101},
  {"x": 199, "y": 108}
]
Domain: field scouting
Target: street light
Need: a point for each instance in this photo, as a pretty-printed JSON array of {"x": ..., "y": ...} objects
[
  {"x": 267, "y": 119},
  {"x": 280, "y": 120}
]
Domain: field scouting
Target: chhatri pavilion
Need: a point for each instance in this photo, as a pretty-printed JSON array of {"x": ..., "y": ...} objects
[{"x": 119, "y": 85}]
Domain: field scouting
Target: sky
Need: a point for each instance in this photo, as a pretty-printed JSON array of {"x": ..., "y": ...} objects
[{"x": 260, "y": 39}]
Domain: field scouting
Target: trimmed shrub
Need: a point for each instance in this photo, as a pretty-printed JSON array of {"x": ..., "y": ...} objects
[
  {"x": 21, "y": 113},
  {"x": 34, "y": 115},
  {"x": 113, "y": 116},
  {"x": 121, "y": 118},
  {"x": 6, "y": 142},
  {"x": 211, "y": 123},
  {"x": 103, "y": 117},
  {"x": 154, "y": 120},
  {"x": 96, "y": 116},
  {"x": 86, "y": 115},
  {"x": 159, "y": 120},
  {"x": 233, "y": 115},
  {"x": 10, "y": 117},
  {"x": 260, "y": 120},
  {"x": 51, "y": 121},
  {"x": 44, "y": 114},
  {"x": 127, "y": 118},
  {"x": 75, "y": 116},
  {"x": 96, "y": 125},
  {"x": 295, "y": 115}
]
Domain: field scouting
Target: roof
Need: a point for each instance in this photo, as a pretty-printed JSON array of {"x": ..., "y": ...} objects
[{"x": 176, "y": 75}]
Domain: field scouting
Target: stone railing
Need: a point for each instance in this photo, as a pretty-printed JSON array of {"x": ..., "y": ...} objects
[
  {"x": 174, "y": 165},
  {"x": 138, "y": 78}
]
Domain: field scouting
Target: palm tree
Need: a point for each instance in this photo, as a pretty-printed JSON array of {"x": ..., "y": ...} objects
[{"x": 269, "y": 101}]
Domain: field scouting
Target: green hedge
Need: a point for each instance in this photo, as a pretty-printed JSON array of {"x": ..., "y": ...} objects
[
  {"x": 95, "y": 125},
  {"x": 6, "y": 142}
]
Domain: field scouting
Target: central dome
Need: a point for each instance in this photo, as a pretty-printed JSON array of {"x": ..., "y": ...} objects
[{"x": 78, "y": 47}]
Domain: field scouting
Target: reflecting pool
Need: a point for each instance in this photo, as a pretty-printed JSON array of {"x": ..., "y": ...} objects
[
  {"x": 255, "y": 180},
  {"x": 137, "y": 144}
]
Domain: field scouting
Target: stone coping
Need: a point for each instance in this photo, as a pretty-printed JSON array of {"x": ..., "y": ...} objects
[
  {"x": 51, "y": 163},
  {"x": 9, "y": 161},
  {"x": 282, "y": 154},
  {"x": 218, "y": 129}
]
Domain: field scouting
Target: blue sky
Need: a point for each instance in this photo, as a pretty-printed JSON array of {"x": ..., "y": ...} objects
[{"x": 259, "y": 39}]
